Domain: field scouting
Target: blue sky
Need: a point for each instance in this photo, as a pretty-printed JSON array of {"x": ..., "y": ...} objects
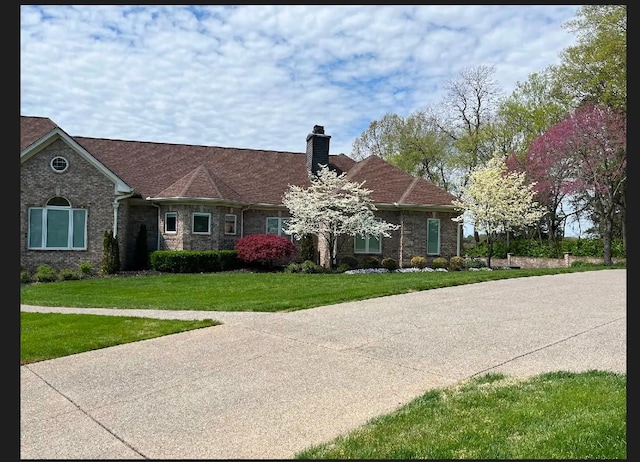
[{"x": 262, "y": 76}]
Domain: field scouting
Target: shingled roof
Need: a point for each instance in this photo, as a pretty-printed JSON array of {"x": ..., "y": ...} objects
[
  {"x": 164, "y": 170},
  {"x": 34, "y": 128}
]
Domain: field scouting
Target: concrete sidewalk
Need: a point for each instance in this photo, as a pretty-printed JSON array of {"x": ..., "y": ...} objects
[{"x": 267, "y": 385}]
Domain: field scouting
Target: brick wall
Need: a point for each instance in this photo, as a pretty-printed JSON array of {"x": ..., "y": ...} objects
[
  {"x": 83, "y": 186},
  {"x": 410, "y": 240}
]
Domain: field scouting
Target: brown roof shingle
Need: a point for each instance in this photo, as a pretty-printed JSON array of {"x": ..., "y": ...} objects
[
  {"x": 163, "y": 170},
  {"x": 34, "y": 128}
]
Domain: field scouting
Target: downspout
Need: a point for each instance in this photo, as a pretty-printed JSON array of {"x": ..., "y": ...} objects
[
  {"x": 458, "y": 244},
  {"x": 116, "y": 204}
]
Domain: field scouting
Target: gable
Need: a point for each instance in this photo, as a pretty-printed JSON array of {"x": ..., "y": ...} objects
[{"x": 36, "y": 133}]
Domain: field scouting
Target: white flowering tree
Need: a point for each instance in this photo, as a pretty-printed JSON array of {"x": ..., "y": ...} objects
[
  {"x": 332, "y": 206},
  {"x": 496, "y": 200}
]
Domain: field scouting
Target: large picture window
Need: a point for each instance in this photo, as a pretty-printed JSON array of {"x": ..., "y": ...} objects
[
  {"x": 57, "y": 227},
  {"x": 201, "y": 223},
  {"x": 368, "y": 243},
  {"x": 433, "y": 236}
]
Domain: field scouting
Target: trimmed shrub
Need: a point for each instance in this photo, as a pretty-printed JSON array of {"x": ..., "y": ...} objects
[
  {"x": 45, "y": 273},
  {"x": 456, "y": 263},
  {"x": 371, "y": 262},
  {"x": 418, "y": 262},
  {"x": 265, "y": 248},
  {"x": 306, "y": 266},
  {"x": 389, "y": 263},
  {"x": 309, "y": 266},
  {"x": 86, "y": 268},
  {"x": 110, "y": 254},
  {"x": 439, "y": 262},
  {"x": 349, "y": 261},
  {"x": 193, "y": 261},
  {"x": 24, "y": 276},
  {"x": 67, "y": 274},
  {"x": 474, "y": 263}
]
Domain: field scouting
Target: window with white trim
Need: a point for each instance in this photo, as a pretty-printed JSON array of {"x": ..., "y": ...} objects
[
  {"x": 201, "y": 223},
  {"x": 57, "y": 226},
  {"x": 277, "y": 225},
  {"x": 230, "y": 222},
  {"x": 171, "y": 222},
  {"x": 433, "y": 236},
  {"x": 59, "y": 164},
  {"x": 368, "y": 243}
]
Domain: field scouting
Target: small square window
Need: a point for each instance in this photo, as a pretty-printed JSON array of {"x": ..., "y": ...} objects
[
  {"x": 201, "y": 223},
  {"x": 171, "y": 222}
]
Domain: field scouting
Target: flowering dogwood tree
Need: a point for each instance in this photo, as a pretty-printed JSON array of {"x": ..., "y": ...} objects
[
  {"x": 496, "y": 200},
  {"x": 332, "y": 206}
]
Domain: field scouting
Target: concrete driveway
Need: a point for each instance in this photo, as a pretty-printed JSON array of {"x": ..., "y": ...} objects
[{"x": 267, "y": 385}]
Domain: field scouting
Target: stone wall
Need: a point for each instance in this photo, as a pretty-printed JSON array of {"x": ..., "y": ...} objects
[{"x": 535, "y": 262}]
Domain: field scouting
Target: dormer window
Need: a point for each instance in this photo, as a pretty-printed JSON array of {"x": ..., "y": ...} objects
[{"x": 59, "y": 164}]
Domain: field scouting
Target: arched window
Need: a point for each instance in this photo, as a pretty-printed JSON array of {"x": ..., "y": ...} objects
[{"x": 57, "y": 226}]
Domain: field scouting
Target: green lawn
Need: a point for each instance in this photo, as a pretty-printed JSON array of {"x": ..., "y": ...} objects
[
  {"x": 252, "y": 291},
  {"x": 558, "y": 415},
  {"x": 52, "y": 335}
]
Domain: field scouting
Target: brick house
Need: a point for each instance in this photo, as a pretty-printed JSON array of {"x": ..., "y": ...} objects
[{"x": 73, "y": 189}]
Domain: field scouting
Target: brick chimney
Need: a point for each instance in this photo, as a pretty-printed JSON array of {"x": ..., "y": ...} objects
[{"x": 317, "y": 149}]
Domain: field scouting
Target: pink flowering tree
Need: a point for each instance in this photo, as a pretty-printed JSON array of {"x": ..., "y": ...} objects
[
  {"x": 586, "y": 155},
  {"x": 550, "y": 167}
]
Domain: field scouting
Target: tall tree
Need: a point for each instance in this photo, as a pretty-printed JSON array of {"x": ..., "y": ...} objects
[
  {"x": 552, "y": 171},
  {"x": 496, "y": 200},
  {"x": 380, "y": 139},
  {"x": 595, "y": 69},
  {"x": 467, "y": 114},
  {"x": 533, "y": 107},
  {"x": 595, "y": 139},
  {"x": 414, "y": 144},
  {"x": 468, "y": 111},
  {"x": 331, "y": 207}
]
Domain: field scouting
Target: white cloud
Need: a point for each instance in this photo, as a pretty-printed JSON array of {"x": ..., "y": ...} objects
[{"x": 262, "y": 76}]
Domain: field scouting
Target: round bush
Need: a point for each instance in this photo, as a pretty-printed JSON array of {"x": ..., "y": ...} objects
[
  {"x": 389, "y": 263},
  {"x": 371, "y": 262},
  {"x": 456, "y": 263},
  {"x": 351, "y": 262},
  {"x": 419, "y": 262},
  {"x": 439, "y": 262}
]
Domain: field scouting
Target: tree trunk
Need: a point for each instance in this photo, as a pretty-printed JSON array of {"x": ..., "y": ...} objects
[{"x": 489, "y": 248}]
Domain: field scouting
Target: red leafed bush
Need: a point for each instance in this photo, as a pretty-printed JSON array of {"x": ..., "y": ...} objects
[{"x": 264, "y": 248}]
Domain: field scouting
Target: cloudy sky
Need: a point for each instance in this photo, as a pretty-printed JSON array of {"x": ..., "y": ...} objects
[{"x": 262, "y": 76}]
